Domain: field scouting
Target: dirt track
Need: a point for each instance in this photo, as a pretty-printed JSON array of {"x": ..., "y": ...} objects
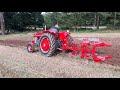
[{"x": 19, "y": 41}]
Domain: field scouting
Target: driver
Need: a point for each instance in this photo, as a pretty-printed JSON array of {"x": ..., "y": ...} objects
[{"x": 55, "y": 28}]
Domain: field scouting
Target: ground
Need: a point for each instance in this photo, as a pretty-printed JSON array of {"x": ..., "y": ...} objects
[{"x": 15, "y": 61}]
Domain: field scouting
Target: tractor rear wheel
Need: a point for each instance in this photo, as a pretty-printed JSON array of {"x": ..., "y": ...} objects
[{"x": 47, "y": 44}]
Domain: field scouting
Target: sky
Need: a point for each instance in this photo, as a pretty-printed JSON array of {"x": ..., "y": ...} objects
[{"x": 43, "y": 13}]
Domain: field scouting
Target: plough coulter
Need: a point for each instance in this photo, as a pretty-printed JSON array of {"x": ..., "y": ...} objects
[{"x": 49, "y": 41}]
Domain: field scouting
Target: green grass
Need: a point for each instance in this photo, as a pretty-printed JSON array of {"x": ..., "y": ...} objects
[
  {"x": 26, "y": 32},
  {"x": 77, "y": 31},
  {"x": 94, "y": 31}
]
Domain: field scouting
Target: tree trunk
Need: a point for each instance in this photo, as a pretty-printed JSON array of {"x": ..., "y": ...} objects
[
  {"x": 98, "y": 19},
  {"x": 95, "y": 21},
  {"x": 115, "y": 20},
  {"x": 85, "y": 25},
  {"x": 2, "y": 24}
]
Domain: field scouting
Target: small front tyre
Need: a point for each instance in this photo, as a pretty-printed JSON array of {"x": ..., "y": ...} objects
[{"x": 30, "y": 48}]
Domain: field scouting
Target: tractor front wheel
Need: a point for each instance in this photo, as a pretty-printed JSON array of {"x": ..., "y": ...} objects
[
  {"x": 47, "y": 44},
  {"x": 30, "y": 48}
]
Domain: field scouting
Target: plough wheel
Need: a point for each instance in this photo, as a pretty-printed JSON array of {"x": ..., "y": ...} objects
[{"x": 47, "y": 44}]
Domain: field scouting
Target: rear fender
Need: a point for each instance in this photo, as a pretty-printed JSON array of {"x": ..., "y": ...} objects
[
  {"x": 39, "y": 34},
  {"x": 62, "y": 35},
  {"x": 49, "y": 31}
]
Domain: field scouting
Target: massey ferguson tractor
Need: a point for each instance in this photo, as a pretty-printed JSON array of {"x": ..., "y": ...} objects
[{"x": 48, "y": 42}]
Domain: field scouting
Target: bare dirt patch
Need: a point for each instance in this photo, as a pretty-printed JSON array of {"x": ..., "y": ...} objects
[
  {"x": 14, "y": 43},
  {"x": 5, "y": 72},
  {"x": 114, "y": 51}
]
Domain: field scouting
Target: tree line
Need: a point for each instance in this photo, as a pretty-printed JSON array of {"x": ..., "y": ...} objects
[
  {"x": 19, "y": 21},
  {"x": 68, "y": 20}
]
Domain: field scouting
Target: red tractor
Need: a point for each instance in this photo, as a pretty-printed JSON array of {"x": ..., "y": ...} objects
[{"x": 49, "y": 41}]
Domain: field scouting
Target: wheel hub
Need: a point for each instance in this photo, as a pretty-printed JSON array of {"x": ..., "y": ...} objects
[{"x": 45, "y": 44}]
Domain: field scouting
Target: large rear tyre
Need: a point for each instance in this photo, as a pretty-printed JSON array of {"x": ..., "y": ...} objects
[{"x": 47, "y": 44}]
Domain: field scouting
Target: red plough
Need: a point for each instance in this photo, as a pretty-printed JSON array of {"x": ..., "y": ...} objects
[
  {"x": 85, "y": 51},
  {"x": 48, "y": 41}
]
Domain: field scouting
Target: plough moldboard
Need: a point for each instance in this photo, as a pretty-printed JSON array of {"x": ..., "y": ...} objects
[{"x": 87, "y": 47}]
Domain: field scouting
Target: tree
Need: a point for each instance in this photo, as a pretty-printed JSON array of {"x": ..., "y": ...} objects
[
  {"x": 96, "y": 20},
  {"x": 2, "y": 24},
  {"x": 36, "y": 19},
  {"x": 20, "y": 20},
  {"x": 114, "y": 19},
  {"x": 67, "y": 20}
]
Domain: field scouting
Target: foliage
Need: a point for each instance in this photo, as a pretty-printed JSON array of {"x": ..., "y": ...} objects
[
  {"x": 75, "y": 20},
  {"x": 20, "y": 20}
]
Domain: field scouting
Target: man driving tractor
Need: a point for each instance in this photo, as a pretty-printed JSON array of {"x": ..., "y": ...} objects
[{"x": 55, "y": 28}]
